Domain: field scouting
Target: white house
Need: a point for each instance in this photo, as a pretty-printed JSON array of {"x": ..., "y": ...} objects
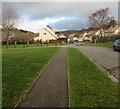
[
  {"x": 46, "y": 34},
  {"x": 99, "y": 32},
  {"x": 61, "y": 36},
  {"x": 70, "y": 38},
  {"x": 75, "y": 38},
  {"x": 113, "y": 30},
  {"x": 83, "y": 36}
]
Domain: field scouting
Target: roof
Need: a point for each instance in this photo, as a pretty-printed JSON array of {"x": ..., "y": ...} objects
[
  {"x": 48, "y": 29},
  {"x": 71, "y": 35},
  {"x": 113, "y": 28},
  {"x": 90, "y": 32},
  {"x": 61, "y": 36}
]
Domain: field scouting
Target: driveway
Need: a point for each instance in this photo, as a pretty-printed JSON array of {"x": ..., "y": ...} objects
[{"x": 105, "y": 57}]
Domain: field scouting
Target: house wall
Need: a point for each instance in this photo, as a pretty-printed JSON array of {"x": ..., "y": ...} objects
[
  {"x": 117, "y": 31},
  {"x": 97, "y": 33},
  {"x": 84, "y": 34},
  {"x": 46, "y": 34}
]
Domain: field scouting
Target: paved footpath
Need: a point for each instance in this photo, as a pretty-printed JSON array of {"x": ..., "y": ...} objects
[{"x": 50, "y": 89}]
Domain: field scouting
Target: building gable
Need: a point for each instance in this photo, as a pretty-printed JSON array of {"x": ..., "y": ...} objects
[{"x": 46, "y": 34}]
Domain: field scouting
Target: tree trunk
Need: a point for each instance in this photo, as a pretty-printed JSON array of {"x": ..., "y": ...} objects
[
  {"x": 93, "y": 40},
  {"x": 15, "y": 44},
  {"x": 23, "y": 44},
  {"x": 37, "y": 44},
  {"x": 27, "y": 43},
  {"x": 56, "y": 44},
  {"x": 104, "y": 32},
  {"x": 7, "y": 43},
  {"x": 100, "y": 33},
  {"x": 41, "y": 44}
]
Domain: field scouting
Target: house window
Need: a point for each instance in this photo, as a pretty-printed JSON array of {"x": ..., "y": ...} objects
[{"x": 44, "y": 33}]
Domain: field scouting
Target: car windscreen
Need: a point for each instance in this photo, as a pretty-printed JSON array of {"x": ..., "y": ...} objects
[{"x": 118, "y": 41}]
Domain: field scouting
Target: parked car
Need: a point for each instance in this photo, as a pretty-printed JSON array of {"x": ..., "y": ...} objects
[
  {"x": 80, "y": 40},
  {"x": 116, "y": 45},
  {"x": 86, "y": 40},
  {"x": 71, "y": 41}
]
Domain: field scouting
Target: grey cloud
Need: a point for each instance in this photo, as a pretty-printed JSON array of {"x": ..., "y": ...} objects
[
  {"x": 70, "y": 23},
  {"x": 79, "y": 10},
  {"x": 41, "y": 10}
]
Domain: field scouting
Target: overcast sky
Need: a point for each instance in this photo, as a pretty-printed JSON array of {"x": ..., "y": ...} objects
[{"x": 34, "y": 16}]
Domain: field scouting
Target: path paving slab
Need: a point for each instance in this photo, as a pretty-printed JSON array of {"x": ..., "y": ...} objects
[{"x": 50, "y": 90}]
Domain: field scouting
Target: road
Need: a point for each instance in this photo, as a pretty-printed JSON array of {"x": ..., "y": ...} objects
[{"x": 105, "y": 57}]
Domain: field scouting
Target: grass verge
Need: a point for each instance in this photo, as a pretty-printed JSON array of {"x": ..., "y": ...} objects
[
  {"x": 108, "y": 45},
  {"x": 20, "y": 69},
  {"x": 89, "y": 86}
]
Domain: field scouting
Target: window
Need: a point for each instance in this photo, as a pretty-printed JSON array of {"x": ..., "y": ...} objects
[{"x": 44, "y": 33}]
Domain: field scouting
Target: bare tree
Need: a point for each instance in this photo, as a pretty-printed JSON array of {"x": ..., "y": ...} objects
[
  {"x": 16, "y": 37},
  {"x": 27, "y": 38},
  {"x": 100, "y": 19},
  {"x": 9, "y": 20}
]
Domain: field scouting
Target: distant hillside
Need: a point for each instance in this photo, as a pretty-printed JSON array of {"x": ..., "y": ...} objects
[
  {"x": 68, "y": 31},
  {"x": 74, "y": 31},
  {"x": 71, "y": 31},
  {"x": 25, "y": 31}
]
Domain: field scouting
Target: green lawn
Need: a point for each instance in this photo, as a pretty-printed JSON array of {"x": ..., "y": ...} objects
[
  {"x": 89, "y": 86},
  {"x": 30, "y": 45},
  {"x": 21, "y": 67},
  {"x": 108, "y": 45}
]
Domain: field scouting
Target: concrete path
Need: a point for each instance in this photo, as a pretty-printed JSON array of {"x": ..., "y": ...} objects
[{"x": 50, "y": 89}]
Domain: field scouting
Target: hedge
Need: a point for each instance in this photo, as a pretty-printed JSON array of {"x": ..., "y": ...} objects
[{"x": 107, "y": 39}]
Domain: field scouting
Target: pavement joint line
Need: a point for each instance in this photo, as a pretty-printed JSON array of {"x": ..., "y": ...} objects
[
  {"x": 69, "y": 102},
  {"x": 35, "y": 80}
]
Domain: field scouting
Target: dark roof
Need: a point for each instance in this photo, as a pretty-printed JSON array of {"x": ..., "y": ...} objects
[{"x": 113, "y": 28}]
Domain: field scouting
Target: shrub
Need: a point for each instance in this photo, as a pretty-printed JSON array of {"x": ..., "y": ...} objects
[{"x": 107, "y": 39}]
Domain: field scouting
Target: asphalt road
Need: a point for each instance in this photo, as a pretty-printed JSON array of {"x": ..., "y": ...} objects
[{"x": 105, "y": 57}]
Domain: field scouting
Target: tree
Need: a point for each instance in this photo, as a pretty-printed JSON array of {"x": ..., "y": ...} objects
[
  {"x": 100, "y": 19},
  {"x": 28, "y": 37},
  {"x": 9, "y": 20},
  {"x": 112, "y": 23},
  {"x": 16, "y": 37}
]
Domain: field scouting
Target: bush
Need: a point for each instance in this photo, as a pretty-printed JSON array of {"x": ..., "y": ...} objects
[{"x": 107, "y": 39}]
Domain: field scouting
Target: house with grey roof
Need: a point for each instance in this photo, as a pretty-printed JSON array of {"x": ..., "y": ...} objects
[{"x": 113, "y": 30}]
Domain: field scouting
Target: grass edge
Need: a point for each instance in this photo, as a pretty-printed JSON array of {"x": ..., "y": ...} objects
[
  {"x": 69, "y": 101},
  {"x": 35, "y": 80}
]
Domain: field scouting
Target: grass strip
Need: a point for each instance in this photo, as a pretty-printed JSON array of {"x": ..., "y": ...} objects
[
  {"x": 20, "y": 69},
  {"x": 108, "y": 45},
  {"x": 89, "y": 86}
]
